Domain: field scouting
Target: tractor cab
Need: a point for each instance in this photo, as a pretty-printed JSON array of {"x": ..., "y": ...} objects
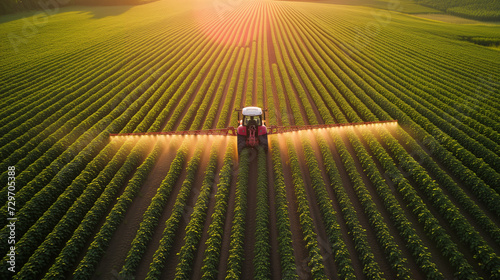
[
  {"x": 252, "y": 130},
  {"x": 251, "y": 120}
]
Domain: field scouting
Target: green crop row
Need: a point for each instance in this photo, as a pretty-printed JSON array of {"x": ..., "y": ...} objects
[
  {"x": 74, "y": 159},
  {"x": 339, "y": 248},
  {"x": 171, "y": 225},
  {"x": 57, "y": 142},
  {"x": 294, "y": 106},
  {"x": 152, "y": 214},
  {"x": 267, "y": 88},
  {"x": 448, "y": 125},
  {"x": 225, "y": 112},
  {"x": 333, "y": 84},
  {"x": 431, "y": 271},
  {"x": 195, "y": 76},
  {"x": 306, "y": 223},
  {"x": 29, "y": 124},
  {"x": 80, "y": 238},
  {"x": 61, "y": 65},
  {"x": 285, "y": 248},
  {"x": 371, "y": 269},
  {"x": 376, "y": 92},
  {"x": 43, "y": 92},
  {"x": 431, "y": 226},
  {"x": 211, "y": 255},
  {"x": 478, "y": 187},
  {"x": 382, "y": 70},
  {"x": 40, "y": 256},
  {"x": 456, "y": 191},
  {"x": 161, "y": 77},
  {"x": 188, "y": 77},
  {"x": 287, "y": 259},
  {"x": 198, "y": 218},
  {"x": 176, "y": 72},
  {"x": 239, "y": 89},
  {"x": 444, "y": 95},
  {"x": 486, "y": 256},
  {"x": 210, "y": 82},
  {"x": 214, "y": 108},
  {"x": 320, "y": 92},
  {"x": 101, "y": 241},
  {"x": 223, "y": 34},
  {"x": 406, "y": 231},
  {"x": 236, "y": 250},
  {"x": 57, "y": 136},
  {"x": 282, "y": 46},
  {"x": 88, "y": 86},
  {"x": 230, "y": 54},
  {"x": 443, "y": 75},
  {"x": 262, "y": 249},
  {"x": 454, "y": 62},
  {"x": 468, "y": 178},
  {"x": 250, "y": 75}
]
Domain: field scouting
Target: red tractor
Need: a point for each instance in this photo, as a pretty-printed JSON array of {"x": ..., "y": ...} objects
[{"x": 252, "y": 130}]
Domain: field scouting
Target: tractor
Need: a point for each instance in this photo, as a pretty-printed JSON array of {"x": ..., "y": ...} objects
[{"x": 252, "y": 130}]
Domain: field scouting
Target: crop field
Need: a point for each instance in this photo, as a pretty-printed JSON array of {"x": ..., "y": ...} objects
[{"x": 416, "y": 199}]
